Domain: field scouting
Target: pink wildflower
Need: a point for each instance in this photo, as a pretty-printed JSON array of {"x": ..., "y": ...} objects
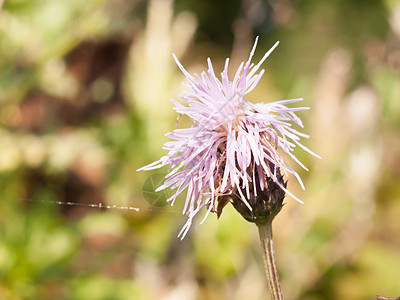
[{"x": 233, "y": 146}]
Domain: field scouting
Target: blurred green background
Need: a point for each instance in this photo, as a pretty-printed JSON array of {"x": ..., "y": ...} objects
[{"x": 84, "y": 102}]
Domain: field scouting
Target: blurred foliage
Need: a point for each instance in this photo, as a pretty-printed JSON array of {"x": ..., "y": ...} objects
[{"x": 84, "y": 89}]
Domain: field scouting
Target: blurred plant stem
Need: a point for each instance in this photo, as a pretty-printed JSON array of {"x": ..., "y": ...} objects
[{"x": 265, "y": 232}]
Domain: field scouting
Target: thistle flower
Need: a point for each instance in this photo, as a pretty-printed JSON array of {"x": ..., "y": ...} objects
[{"x": 233, "y": 149}]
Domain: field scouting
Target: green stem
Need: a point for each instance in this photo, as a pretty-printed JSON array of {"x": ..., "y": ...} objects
[{"x": 265, "y": 232}]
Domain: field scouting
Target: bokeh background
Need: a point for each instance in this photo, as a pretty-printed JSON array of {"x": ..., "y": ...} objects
[{"x": 84, "y": 102}]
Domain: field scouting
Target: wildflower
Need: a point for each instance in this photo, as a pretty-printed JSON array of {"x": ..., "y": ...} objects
[{"x": 232, "y": 150}]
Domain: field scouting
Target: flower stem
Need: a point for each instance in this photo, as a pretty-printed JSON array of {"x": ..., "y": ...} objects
[{"x": 265, "y": 232}]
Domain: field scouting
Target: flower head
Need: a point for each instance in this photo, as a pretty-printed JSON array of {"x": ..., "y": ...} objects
[{"x": 233, "y": 149}]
